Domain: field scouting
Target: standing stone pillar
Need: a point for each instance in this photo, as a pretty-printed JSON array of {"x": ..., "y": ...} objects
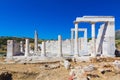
[
  {"x": 85, "y": 40},
  {"x": 27, "y": 47},
  {"x": 76, "y": 41},
  {"x": 43, "y": 53},
  {"x": 21, "y": 46},
  {"x": 10, "y": 49},
  {"x": 72, "y": 43},
  {"x": 108, "y": 47},
  {"x": 36, "y": 42},
  {"x": 59, "y": 46},
  {"x": 93, "y": 41}
]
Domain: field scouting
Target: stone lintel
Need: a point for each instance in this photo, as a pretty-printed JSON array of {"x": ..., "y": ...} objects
[
  {"x": 79, "y": 29},
  {"x": 94, "y": 19},
  {"x": 98, "y": 16}
]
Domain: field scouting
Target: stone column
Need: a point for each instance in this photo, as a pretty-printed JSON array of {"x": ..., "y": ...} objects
[
  {"x": 93, "y": 41},
  {"x": 59, "y": 46},
  {"x": 72, "y": 43},
  {"x": 85, "y": 40},
  {"x": 76, "y": 41},
  {"x": 21, "y": 46},
  {"x": 43, "y": 53},
  {"x": 36, "y": 42},
  {"x": 27, "y": 47}
]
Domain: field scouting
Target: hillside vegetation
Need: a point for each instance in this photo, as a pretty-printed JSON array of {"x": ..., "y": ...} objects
[
  {"x": 3, "y": 42},
  {"x": 117, "y": 34}
]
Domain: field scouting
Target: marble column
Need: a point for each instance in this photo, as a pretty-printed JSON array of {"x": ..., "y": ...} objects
[
  {"x": 72, "y": 42},
  {"x": 21, "y": 46},
  {"x": 26, "y": 47},
  {"x": 43, "y": 53},
  {"x": 59, "y": 46},
  {"x": 93, "y": 41},
  {"x": 76, "y": 41},
  {"x": 85, "y": 40},
  {"x": 36, "y": 42}
]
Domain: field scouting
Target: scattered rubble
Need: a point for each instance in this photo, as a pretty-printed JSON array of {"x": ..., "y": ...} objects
[
  {"x": 89, "y": 68},
  {"x": 67, "y": 64},
  {"x": 116, "y": 65}
]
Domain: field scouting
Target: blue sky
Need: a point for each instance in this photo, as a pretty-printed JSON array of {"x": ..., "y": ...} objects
[{"x": 50, "y": 17}]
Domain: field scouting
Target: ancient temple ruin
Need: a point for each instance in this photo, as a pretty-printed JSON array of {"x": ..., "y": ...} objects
[{"x": 103, "y": 45}]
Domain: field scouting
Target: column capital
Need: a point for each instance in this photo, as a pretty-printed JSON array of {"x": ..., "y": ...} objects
[
  {"x": 59, "y": 36},
  {"x": 93, "y": 22},
  {"x": 76, "y": 22},
  {"x": 76, "y": 27}
]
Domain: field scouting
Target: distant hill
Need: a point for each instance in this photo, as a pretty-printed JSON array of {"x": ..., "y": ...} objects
[
  {"x": 117, "y": 34},
  {"x": 3, "y": 39}
]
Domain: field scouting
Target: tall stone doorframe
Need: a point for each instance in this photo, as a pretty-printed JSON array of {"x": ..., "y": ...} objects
[
  {"x": 107, "y": 39},
  {"x": 76, "y": 49}
]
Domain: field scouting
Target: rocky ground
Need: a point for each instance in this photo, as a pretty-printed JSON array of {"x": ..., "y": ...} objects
[{"x": 103, "y": 69}]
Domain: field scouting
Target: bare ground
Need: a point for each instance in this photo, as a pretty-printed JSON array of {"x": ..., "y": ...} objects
[{"x": 38, "y": 72}]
